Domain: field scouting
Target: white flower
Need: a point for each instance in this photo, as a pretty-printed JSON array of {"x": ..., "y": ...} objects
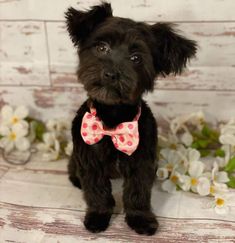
[
  {"x": 221, "y": 204},
  {"x": 229, "y": 151},
  {"x": 162, "y": 173},
  {"x": 203, "y": 187},
  {"x": 196, "y": 181},
  {"x": 218, "y": 188},
  {"x": 169, "y": 159},
  {"x": 14, "y": 137},
  {"x": 187, "y": 139},
  {"x": 197, "y": 119},
  {"x": 58, "y": 125},
  {"x": 227, "y": 134},
  {"x": 170, "y": 184},
  {"x": 219, "y": 176},
  {"x": 50, "y": 147},
  {"x": 187, "y": 156},
  {"x": 170, "y": 141},
  {"x": 69, "y": 148},
  {"x": 13, "y": 117}
]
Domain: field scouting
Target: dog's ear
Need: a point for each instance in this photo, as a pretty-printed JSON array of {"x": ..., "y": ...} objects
[
  {"x": 171, "y": 51},
  {"x": 80, "y": 23}
]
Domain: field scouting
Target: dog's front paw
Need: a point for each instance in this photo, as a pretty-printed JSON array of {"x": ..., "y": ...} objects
[
  {"x": 142, "y": 223},
  {"x": 97, "y": 222}
]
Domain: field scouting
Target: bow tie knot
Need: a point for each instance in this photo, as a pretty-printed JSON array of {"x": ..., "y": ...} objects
[{"x": 125, "y": 136}]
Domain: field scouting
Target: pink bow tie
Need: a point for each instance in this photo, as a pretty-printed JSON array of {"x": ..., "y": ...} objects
[{"x": 125, "y": 136}]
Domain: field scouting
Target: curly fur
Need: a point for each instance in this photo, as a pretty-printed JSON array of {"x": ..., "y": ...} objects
[{"x": 115, "y": 85}]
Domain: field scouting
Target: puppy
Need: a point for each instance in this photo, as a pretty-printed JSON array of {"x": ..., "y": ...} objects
[{"x": 114, "y": 128}]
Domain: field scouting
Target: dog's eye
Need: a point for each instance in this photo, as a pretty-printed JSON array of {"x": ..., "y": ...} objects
[
  {"x": 136, "y": 59},
  {"x": 102, "y": 47}
]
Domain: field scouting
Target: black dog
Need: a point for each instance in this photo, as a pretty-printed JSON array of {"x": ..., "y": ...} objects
[{"x": 119, "y": 60}]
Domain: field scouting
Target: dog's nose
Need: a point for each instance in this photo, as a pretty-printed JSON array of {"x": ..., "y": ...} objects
[{"x": 110, "y": 75}]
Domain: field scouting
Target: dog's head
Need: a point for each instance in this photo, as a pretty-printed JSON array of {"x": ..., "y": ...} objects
[{"x": 120, "y": 58}]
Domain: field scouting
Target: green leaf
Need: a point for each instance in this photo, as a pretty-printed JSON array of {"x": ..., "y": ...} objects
[
  {"x": 39, "y": 129},
  {"x": 1, "y": 136},
  {"x": 178, "y": 188},
  {"x": 230, "y": 167},
  {"x": 220, "y": 153},
  {"x": 197, "y": 135},
  {"x": 231, "y": 182},
  {"x": 206, "y": 131},
  {"x": 204, "y": 152},
  {"x": 203, "y": 143},
  {"x": 195, "y": 145},
  {"x": 210, "y": 133}
]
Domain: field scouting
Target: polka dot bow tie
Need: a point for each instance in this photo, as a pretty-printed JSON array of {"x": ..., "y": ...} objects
[{"x": 125, "y": 136}]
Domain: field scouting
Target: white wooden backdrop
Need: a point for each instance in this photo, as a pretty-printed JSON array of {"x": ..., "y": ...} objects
[
  {"x": 37, "y": 66},
  {"x": 38, "y": 61}
]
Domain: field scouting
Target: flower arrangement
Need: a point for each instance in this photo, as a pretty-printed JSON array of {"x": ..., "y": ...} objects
[
  {"x": 19, "y": 131},
  {"x": 194, "y": 155},
  {"x": 197, "y": 156}
]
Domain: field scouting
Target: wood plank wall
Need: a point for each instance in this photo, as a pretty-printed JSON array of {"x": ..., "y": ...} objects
[{"x": 38, "y": 61}]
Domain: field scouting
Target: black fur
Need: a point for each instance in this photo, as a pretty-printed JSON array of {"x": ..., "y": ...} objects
[{"x": 119, "y": 60}]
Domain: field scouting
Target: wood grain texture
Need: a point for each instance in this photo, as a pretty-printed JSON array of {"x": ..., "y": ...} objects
[
  {"x": 27, "y": 63},
  {"x": 53, "y": 225},
  {"x": 37, "y": 69},
  {"x": 44, "y": 102},
  {"x": 54, "y": 102},
  {"x": 213, "y": 69},
  {"x": 38, "y": 204},
  {"x": 23, "y": 54},
  {"x": 147, "y": 10},
  {"x": 193, "y": 78},
  {"x": 63, "y": 55},
  {"x": 216, "y": 45},
  {"x": 199, "y": 78}
]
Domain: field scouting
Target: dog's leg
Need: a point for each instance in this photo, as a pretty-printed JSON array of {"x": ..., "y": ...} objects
[
  {"x": 136, "y": 198},
  {"x": 99, "y": 199}
]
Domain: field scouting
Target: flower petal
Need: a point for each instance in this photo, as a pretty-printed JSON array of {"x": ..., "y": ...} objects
[
  {"x": 21, "y": 112},
  {"x": 220, "y": 188},
  {"x": 227, "y": 139},
  {"x": 222, "y": 177},
  {"x": 57, "y": 145},
  {"x": 222, "y": 210},
  {"x": 51, "y": 125},
  {"x": 6, "y": 112},
  {"x": 203, "y": 187},
  {"x": 165, "y": 153},
  {"x": 49, "y": 138},
  {"x": 19, "y": 130},
  {"x": 24, "y": 123},
  {"x": 187, "y": 139},
  {"x": 162, "y": 173},
  {"x": 9, "y": 146},
  {"x": 22, "y": 144},
  {"x": 193, "y": 155},
  {"x": 214, "y": 170},
  {"x": 184, "y": 182},
  {"x": 51, "y": 156},
  {"x": 169, "y": 186},
  {"x": 4, "y": 142},
  {"x": 69, "y": 150},
  {"x": 4, "y": 130},
  {"x": 196, "y": 168},
  {"x": 228, "y": 129},
  {"x": 43, "y": 147}
]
